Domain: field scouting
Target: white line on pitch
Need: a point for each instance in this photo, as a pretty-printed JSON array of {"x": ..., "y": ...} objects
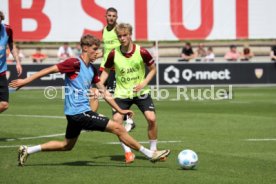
[
  {"x": 37, "y": 137},
  {"x": 33, "y": 116},
  {"x": 10, "y": 146},
  {"x": 260, "y": 139},
  {"x": 142, "y": 142},
  {"x": 145, "y": 142}
]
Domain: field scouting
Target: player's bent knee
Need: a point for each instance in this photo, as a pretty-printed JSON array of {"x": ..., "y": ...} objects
[
  {"x": 115, "y": 128},
  {"x": 67, "y": 148},
  {"x": 4, "y": 106},
  {"x": 118, "y": 118},
  {"x": 150, "y": 116},
  {"x": 68, "y": 145},
  {"x": 151, "y": 120}
]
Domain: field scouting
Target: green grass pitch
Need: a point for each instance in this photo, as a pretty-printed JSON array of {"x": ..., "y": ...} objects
[{"x": 218, "y": 130}]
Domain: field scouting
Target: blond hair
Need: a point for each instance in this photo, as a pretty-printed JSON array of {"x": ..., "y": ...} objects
[
  {"x": 123, "y": 26},
  {"x": 89, "y": 40}
]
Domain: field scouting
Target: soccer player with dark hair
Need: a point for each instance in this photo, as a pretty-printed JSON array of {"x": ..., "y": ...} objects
[
  {"x": 6, "y": 39},
  {"x": 80, "y": 74},
  {"x": 130, "y": 62}
]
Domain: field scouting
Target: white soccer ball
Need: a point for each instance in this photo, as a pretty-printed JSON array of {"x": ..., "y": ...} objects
[{"x": 187, "y": 159}]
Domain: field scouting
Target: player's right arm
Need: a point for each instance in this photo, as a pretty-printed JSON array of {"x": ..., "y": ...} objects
[
  {"x": 69, "y": 66},
  {"x": 22, "y": 82},
  {"x": 108, "y": 64},
  {"x": 13, "y": 50},
  {"x": 109, "y": 99},
  {"x": 104, "y": 75}
]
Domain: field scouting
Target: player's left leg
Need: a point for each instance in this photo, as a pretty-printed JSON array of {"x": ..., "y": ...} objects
[
  {"x": 25, "y": 151},
  {"x": 145, "y": 104},
  {"x": 123, "y": 136},
  {"x": 74, "y": 126},
  {"x": 66, "y": 145},
  {"x": 117, "y": 117},
  {"x": 3, "y": 106},
  {"x": 92, "y": 121},
  {"x": 152, "y": 129}
]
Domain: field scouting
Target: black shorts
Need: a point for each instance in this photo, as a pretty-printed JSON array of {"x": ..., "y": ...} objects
[
  {"x": 85, "y": 121},
  {"x": 144, "y": 103},
  {"x": 4, "y": 89}
]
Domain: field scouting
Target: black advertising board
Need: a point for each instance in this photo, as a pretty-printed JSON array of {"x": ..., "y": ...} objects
[
  {"x": 217, "y": 73},
  {"x": 174, "y": 74}
]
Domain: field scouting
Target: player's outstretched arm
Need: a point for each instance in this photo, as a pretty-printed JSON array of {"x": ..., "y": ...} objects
[
  {"x": 109, "y": 99},
  {"x": 22, "y": 82}
]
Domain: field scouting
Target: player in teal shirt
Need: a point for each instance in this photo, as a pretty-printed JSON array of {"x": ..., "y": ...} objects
[{"x": 80, "y": 74}]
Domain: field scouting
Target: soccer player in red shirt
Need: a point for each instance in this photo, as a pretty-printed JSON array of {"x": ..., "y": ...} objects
[{"x": 6, "y": 35}]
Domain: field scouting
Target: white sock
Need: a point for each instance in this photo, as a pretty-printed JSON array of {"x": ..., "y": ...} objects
[
  {"x": 153, "y": 145},
  {"x": 129, "y": 121},
  {"x": 34, "y": 149},
  {"x": 126, "y": 148},
  {"x": 146, "y": 152}
]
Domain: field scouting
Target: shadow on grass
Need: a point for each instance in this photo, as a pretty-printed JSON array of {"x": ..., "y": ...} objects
[
  {"x": 3, "y": 139},
  {"x": 118, "y": 158},
  {"x": 95, "y": 164},
  {"x": 186, "y": 170}
]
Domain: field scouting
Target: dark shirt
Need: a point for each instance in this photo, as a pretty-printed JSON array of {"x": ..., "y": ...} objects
[{"x": 187, "y": 52}]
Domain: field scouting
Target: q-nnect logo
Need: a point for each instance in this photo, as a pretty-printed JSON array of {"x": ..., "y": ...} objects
[{"x": 173, "y": 74}]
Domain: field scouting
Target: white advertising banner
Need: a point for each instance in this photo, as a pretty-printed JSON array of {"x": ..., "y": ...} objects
[{"x": 67, "y": 20}]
